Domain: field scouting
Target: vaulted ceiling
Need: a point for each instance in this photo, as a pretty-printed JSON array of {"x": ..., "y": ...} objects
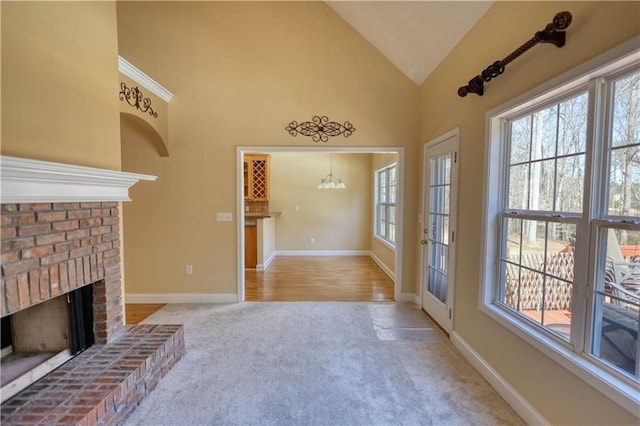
[{"x": 414, "y": 35}]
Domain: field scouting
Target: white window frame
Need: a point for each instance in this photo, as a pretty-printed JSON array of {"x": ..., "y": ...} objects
[
  {"x": 618, "y": 387},
  {"x": 391, "y": 244}
]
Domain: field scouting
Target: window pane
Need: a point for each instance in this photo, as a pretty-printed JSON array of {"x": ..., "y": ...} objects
[
  {"x": 514, "y": 240},
  {"x": 624, "y": 181},
  {"x": 570, "y": 184},
  {"x": 572, "y": 130},
  {"x": 436, "y": 171},
  {"x": 617, "y": 300},
  {"x": 538, "y": 272},
  {"x": 549, "y": 129},
  {"x": 518, "y": 187},
  {"x": 520, "y": 140},
  {"x": 437, "y": 199},
  {"x": 391, "y": 214},
  {"x": 626, "y": 111},
  {"x": 542, "y": 184}
]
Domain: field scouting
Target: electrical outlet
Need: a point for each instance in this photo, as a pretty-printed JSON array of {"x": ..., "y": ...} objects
[
  {"x": 312, "y": 240},
  {"x": 224, "y": 217},
  {"x": 189, "y": 270}
]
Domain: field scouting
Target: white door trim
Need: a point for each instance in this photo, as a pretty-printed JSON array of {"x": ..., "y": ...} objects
[{"x": 241, "y": 150}]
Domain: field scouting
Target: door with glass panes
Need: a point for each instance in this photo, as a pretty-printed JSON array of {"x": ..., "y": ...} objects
[{"x": 438, "y": 237}]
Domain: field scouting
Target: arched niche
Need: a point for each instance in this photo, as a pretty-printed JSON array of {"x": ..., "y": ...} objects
[{"x": 136, "y": 123}]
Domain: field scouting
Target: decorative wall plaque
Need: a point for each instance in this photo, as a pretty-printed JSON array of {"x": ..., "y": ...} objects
[
  {"x": 135, "y": 98},
  {"x": 320, "y": 128}
]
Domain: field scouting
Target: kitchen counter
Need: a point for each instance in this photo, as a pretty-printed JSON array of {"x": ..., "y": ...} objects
[{"x": 261, "y": 215}]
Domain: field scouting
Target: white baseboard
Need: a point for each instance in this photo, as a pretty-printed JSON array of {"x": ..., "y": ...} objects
[
  {"x": 521, "y": 406},
  {"x": 265, "y": 265},
  {"x": 323, "y": 253},
  {"x": 382, "y": 266},
  {"x": 181, "y": 298},
  {"x": 410, "y": 298}
]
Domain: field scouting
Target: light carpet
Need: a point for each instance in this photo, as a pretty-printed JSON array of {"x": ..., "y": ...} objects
[{"x": 324, "y": 363}]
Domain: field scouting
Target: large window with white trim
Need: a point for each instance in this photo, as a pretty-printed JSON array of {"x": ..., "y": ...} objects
[
  {"x": 562, "y": 243},
  {"x": 385, "y": 204}
]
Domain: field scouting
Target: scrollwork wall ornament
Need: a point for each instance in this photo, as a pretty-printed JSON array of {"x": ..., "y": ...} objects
[
  {"x": 320, "y": 128},
  {"x": 135, "y": 98}
]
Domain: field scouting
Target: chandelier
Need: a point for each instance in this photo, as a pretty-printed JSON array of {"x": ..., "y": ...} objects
[{"x": 328, "y": 182}]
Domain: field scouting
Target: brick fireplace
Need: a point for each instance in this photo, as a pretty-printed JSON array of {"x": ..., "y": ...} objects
[
  {"x": 60, "y": 232},
  {"x": 49, "y": 249}
]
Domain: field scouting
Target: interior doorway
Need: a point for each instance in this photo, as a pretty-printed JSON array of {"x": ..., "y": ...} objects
[{"x": 240, "y": 191}]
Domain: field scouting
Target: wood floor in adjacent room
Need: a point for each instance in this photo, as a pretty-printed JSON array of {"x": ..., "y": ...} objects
[
  {"x": 304, "y": 278},
  {"x": 319, "y": 278}
]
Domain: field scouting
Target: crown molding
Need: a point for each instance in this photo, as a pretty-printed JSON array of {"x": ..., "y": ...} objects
[
  {"x": 126, "y": 68},
  {"x": 32, "y": 181}
]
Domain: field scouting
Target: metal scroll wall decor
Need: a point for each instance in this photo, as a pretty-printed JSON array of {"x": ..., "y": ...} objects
[
  {"x": 320, "y": 128},
  {"x": 552, "y": 33},
  {"x": 135, "y": 98}
]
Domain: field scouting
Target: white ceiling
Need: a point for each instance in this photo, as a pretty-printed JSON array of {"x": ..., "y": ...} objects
[{"x": 414, "y": 35}]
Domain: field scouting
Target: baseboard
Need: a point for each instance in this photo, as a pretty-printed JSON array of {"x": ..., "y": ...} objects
[
  {"x": 265, "y": 265},
  {"x": 410, "y": 298},
  {"x": 382, "y": 266},
  {"x": 181, "y": 298},
  {"x": 521, "y": 406},
  {"x": 323, "y": 253}
]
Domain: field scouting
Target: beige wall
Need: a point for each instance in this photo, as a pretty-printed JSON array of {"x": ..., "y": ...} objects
[
  {"x": 240, "y": 73},
  {"x": 60, "y": 82},
  {"x": 558, "y": 395},
  {"x": 336, "y": 219},
  {"x": 382, "y": 251}
]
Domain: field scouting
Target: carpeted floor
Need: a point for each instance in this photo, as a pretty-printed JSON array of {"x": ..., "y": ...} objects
[{"x": 320, "y": 363}]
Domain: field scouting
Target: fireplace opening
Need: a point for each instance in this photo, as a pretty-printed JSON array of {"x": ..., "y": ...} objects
[{"x": 37, "y": 340}]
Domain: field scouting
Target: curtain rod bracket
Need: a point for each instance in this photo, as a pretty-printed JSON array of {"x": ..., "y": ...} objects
[{"x": 553, "y": 33}]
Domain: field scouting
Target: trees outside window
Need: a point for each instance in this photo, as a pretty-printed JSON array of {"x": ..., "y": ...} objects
[{"x": 562, "y": 246}]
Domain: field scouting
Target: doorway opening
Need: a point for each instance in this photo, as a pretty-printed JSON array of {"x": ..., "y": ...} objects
[{"x": 301, "y": 242}]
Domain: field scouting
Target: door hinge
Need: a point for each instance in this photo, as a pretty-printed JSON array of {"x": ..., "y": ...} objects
[
  {"x": 453, "y": 236},
  {"x": 449, "y": 313},
  {"x": 455, "y": 156}
]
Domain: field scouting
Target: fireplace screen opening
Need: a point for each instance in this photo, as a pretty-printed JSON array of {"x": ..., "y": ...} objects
[{"x": 37, "y": 340}]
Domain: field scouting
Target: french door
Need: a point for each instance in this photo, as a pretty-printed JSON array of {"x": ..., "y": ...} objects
[{"x": 439, "y": 221}]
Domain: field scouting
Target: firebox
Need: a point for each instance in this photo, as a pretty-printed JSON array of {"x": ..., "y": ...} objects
[{"x": 38, "y": 339}]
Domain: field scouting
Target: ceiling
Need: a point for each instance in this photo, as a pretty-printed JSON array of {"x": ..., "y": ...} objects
[{"x": 414, "y": 35}]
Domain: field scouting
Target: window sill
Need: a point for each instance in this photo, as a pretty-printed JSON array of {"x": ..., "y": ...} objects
[
  {"x": 623, "y": 392},
  {"x": 385, "y": 242}
]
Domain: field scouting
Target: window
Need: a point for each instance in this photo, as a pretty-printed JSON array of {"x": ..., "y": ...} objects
[
  {"x": 562, "y": 238},
  {"x": 385, "y": 204}
]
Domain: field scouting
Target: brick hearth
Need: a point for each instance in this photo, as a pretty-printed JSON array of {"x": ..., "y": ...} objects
[{"x": 102, "y": 385}]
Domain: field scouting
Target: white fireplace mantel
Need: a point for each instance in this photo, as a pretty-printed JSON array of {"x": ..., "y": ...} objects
[{"x": 32, "y": 181}]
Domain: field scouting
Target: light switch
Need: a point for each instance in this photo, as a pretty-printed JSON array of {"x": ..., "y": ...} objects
[{"x": 224, "y": 217}]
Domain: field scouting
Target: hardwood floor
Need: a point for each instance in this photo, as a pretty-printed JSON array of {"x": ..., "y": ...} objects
[
  {"x": 136, "y": 312},
  {"x": 319, "y": 278}
]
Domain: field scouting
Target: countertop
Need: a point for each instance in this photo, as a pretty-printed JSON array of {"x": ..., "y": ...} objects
[{"x": 262, "y": 215}]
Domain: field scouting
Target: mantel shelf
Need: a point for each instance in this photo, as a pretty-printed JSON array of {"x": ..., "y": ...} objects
[{"x": 33, "y": 181}]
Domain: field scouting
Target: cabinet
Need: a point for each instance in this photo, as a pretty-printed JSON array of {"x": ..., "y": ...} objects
[
  {"x": 250, "y": 246},
  {"x": 256, "y": 177}
]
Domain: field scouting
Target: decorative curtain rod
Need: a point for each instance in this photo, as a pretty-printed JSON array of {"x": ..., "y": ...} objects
[{"x": 552, "y": 33}]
